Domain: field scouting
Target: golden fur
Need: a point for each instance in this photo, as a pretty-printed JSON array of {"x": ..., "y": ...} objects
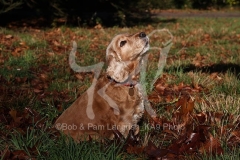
[{"x": 113, "y": 107}]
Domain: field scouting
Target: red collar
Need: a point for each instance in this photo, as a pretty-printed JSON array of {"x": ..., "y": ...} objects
[{"x": 130, "y": 84}]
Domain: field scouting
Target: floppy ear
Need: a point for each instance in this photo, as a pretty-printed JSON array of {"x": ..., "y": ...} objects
[{"x": 117, "y": 69}]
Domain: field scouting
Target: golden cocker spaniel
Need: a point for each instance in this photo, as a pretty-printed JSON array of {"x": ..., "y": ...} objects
[{"x": 116, "y": 101}]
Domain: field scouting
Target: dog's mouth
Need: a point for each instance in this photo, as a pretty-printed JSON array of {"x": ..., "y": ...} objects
[{"x": 146, "y": 46}]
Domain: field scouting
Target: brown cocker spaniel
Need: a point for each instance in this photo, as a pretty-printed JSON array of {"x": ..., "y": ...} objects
[{"x": 116, "y": 101}]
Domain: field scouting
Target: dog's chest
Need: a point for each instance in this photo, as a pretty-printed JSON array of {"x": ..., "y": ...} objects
[
  {"x": 129, "y": 104},
  {"x": 124, "y": 95},
  {"x": 125, "y": 101}
]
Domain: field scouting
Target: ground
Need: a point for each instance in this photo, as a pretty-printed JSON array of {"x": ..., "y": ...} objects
[{"x": 196, "y": 96}]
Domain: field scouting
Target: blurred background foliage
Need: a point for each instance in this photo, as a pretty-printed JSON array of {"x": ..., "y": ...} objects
[{"x": 104, "y": 12}]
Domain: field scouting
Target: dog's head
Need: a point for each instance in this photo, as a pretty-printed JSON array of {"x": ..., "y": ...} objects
[{"x": 124, "y": 53}]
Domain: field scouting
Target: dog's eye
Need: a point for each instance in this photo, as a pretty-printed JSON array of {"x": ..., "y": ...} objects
[{"x": 122, "y": 43}]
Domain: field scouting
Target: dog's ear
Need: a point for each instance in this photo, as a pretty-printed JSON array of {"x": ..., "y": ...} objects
[{"x": 116, "y": 68}]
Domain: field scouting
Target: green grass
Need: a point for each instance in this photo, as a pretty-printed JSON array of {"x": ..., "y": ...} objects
[
  {"x": 216, "y": 41},
  {"x": 18, "y": 66},
  {"x": 62, "y": 147}
]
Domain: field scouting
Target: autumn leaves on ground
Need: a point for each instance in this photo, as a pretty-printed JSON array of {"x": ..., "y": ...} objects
[{"x": 197, "y": 97}]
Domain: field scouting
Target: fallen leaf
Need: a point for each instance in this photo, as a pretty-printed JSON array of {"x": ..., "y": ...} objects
[
  {"x": 154, "y": 152},
  {"x": 37, "y": 90},
  {"x": 8, "y": 36},
  {"x": 191, "y": 144},
  {"x": 200, "y": 117},
  {"x": 211, "y": 147},
  {"x": 186, "y": 105},
  {"x": 20, "y": 155},
  {"x": 234, "y": 139},
  {"x": 135, "y": 150},
  {"x": 13, "y": 114},
  {"x": 5, "y": 154},
  {"x": 79, "y": 76}
]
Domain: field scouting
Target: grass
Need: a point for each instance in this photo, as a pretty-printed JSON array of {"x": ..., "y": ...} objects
[
  {"x": 205, "y": 53},
  {"x": 63, "y": 148}
]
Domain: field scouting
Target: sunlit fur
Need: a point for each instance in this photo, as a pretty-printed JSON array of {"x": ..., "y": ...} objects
[{"x": 123, "y": 63}]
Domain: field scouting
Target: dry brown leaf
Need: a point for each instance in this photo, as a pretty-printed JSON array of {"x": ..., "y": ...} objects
[
  {"x": 236, "y": 134},
  {"x": 43, "y": 77},
  {"x": 154, "y": 152},
  {"x": 171, "y": 132},
  {"x": 160, "y": 88},
  {"x": 200, "y": 117},
  {"x": 186, "y": 105},
  {"x": 135, "y": 149},
  {"x": 211, "y": 147},
  {"x": 56, "y": 43},
  {"x": 20, "y": 154},
  {"x": 37, "y": 90},
  {"x": 79, "y": 76},
  {"x": 5, "y": 154},
  {"x": 13, "y": 114},
  {"x": 9, "y": 36},
  {"x": 234, "y": 139},
  {"x": 51, "y": 53},
  {"x": 190, "y": 144}
]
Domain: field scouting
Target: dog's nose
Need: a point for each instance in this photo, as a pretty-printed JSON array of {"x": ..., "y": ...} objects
[{"x": 142, "y": 35}]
